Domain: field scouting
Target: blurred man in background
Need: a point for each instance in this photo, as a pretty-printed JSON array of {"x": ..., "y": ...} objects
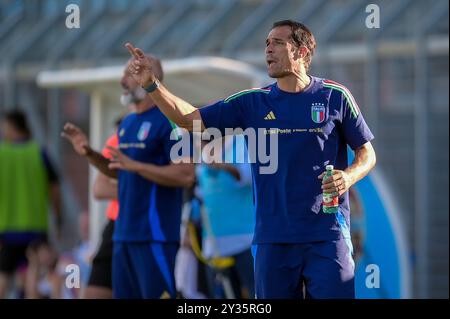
[
  {"x": 27, "y": 181},
  {"x": 147, "y": 231}
]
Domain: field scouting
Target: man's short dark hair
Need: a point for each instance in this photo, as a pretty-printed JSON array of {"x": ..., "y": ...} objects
[
  {"x": 301, "y": 36},
  {"x": 18, "y": 119}
]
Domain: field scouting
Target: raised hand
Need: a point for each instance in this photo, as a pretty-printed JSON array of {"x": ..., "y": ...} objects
[
  {"x": 140, "y": 66},
  {"x": 78, "y": 139}
]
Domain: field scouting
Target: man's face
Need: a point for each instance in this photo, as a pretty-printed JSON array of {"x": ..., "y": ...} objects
[
  {"x": 128, "y": 82},
  {"x": 133, "y": 93},
  {"x": 282, "y": 55}
]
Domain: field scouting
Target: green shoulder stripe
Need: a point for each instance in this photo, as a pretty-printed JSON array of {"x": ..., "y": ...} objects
[
  {"x": 347, "y": 95},
  {"x": 238, "y": 94},
  {"x": 176, "y": 128}
]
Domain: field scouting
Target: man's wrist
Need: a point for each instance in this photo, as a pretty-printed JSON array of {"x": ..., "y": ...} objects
[
  {"x": 152, "y": 86},
  {"x": 89, "y": 151},
  {"x": 350, "y": 177}
]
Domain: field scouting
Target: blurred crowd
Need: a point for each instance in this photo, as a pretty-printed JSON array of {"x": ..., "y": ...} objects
[{"x": 214, "y": 259}]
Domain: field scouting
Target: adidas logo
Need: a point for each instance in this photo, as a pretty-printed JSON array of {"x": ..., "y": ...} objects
[
  {"x": 270, "y": 116},
  {"x": 165, "y": 295}
]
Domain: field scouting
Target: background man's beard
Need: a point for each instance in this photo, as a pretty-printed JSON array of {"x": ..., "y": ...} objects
[{"x": 134, "y": 96}]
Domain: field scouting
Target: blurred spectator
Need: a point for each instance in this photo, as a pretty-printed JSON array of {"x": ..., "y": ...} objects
[
  {"x": 42, "y": 279},
  {"x": 27, "y": 180},
  {"x": 81, "y": 257},
  {"x": 47, "y": 273},
  {"x": 188, "y": 269},
  {"x": 228, "y": 222}
]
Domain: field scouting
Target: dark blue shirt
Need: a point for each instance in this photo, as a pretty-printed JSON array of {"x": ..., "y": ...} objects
[
  {"x": 314, "y": 128},
  {"x": 147, "y": 211}
]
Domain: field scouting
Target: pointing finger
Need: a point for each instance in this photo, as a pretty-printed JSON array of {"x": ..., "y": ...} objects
[
  {"x": 67, "y": 126},
  {"x": 132, "y": 50},
  {"x": 139, "y": 52}
]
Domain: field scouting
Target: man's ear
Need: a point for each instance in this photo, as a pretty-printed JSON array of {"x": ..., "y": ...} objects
[
  {"x": 300, "y": 53},
  {"x": 303, "y": 52}
]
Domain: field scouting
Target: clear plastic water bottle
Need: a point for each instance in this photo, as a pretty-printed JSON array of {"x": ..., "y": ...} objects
[{"x": 330, "y": 202}]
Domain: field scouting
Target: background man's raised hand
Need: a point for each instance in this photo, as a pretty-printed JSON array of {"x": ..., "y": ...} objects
[
  {"x": 140, "y": 66},
  {"x": 78, "y": 139}
]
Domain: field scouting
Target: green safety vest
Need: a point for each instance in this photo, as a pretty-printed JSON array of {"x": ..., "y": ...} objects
[{"x": 23, "y": 188}]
